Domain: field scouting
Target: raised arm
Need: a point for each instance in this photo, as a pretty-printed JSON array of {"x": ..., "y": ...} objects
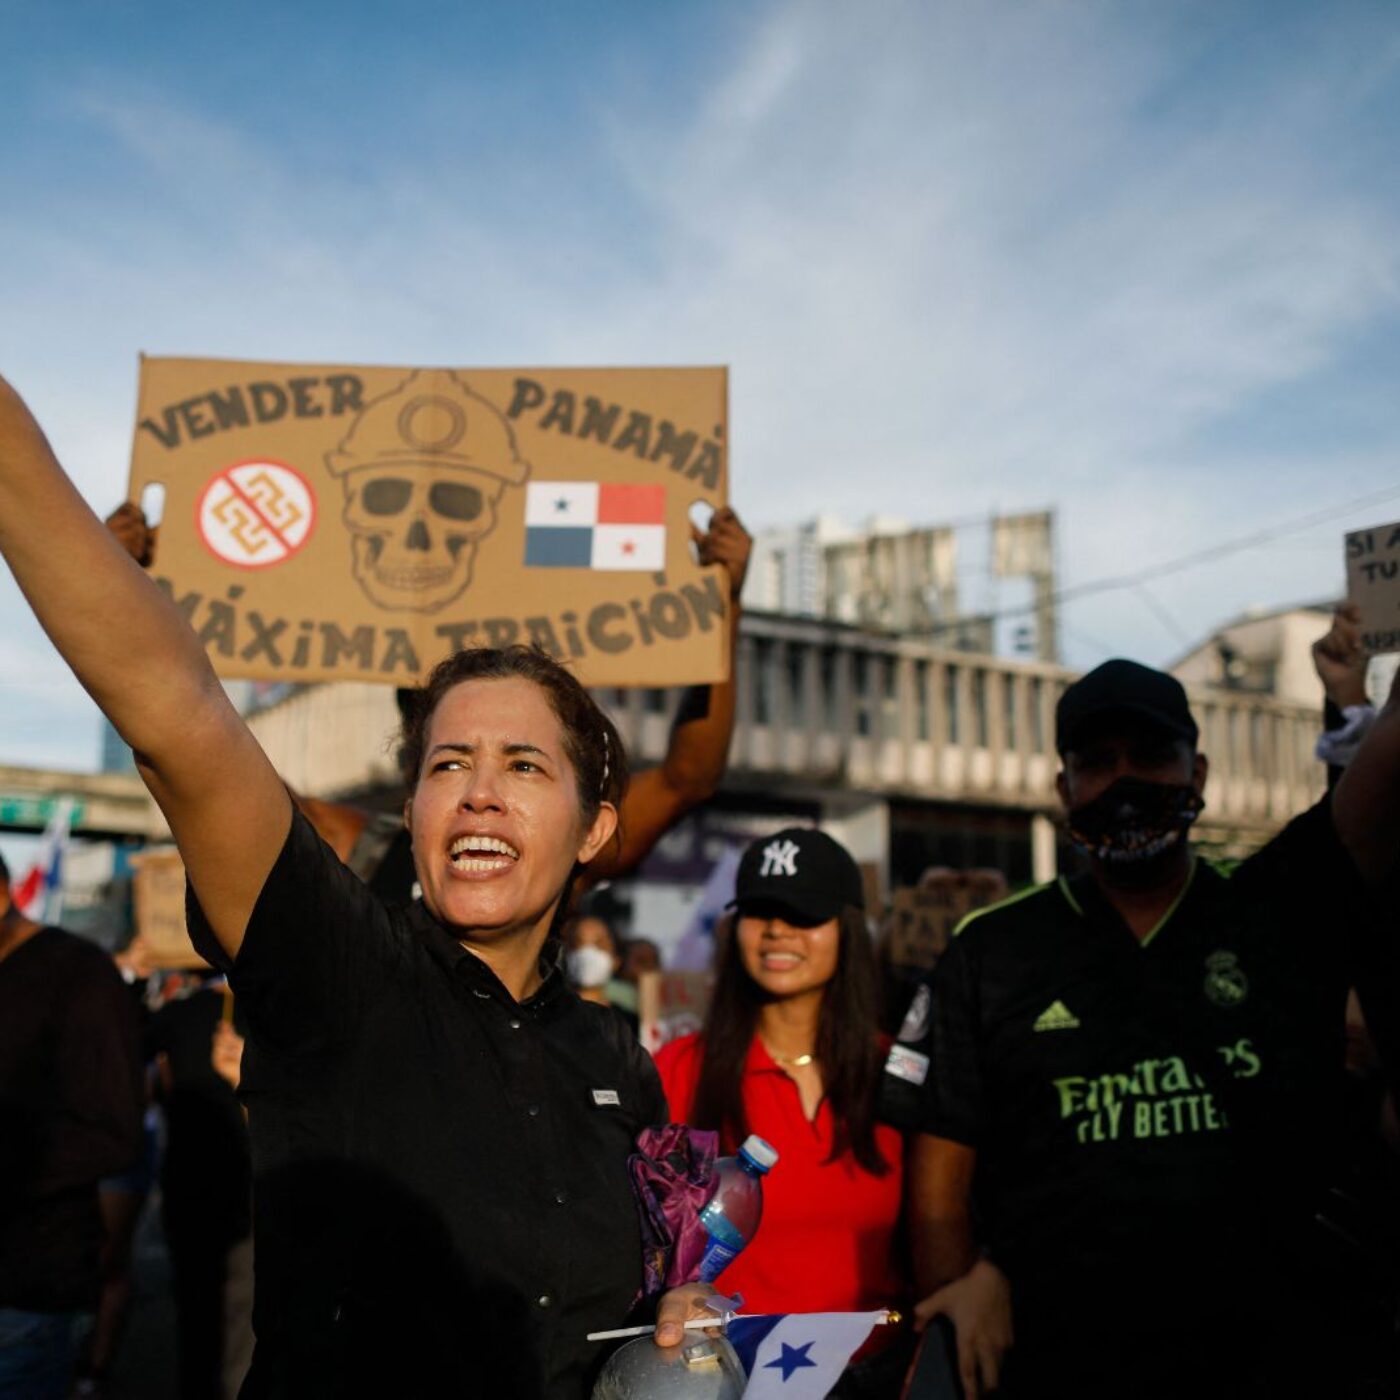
[
  {"x": 1366, "y": 801},
  {"x": 225, "y": 804},
  {"x": 659, "y": 797},
  {"x": 338, "y": 824}
]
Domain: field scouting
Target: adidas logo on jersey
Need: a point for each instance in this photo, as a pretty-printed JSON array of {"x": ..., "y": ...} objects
[{"x": 1056, "y": 1017}]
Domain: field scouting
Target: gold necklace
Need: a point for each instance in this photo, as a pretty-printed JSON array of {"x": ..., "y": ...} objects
[{"x": 796, "y": 1061}]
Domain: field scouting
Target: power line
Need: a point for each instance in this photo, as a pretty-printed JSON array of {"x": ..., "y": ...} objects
[
  {"x": 1220, "y": 551},
  {"x": 1187, "y": 561},
  {"x": 1163, "y": 616}
]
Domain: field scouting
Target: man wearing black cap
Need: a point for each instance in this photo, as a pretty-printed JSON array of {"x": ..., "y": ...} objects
[{"x": 1132, "y": 1074}]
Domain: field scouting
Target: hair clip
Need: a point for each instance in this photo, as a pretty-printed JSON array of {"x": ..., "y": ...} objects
[{"x": 607, "y": 765}]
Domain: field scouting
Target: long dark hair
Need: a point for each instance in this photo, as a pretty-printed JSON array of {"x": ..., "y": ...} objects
[{"x": 846, "y": 1048}]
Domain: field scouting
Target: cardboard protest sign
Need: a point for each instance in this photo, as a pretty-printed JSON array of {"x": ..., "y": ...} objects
[
  {"x": 158, "y": 890},
  {"x": 922, "y": 917},
  {"x": 670, "y": 1005},
  {"x": 325, "y": 522},
  {"x": 1373, "y": 584}
]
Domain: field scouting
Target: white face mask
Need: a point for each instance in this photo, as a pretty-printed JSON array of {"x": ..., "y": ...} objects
[{"x": 589, "y": 966}]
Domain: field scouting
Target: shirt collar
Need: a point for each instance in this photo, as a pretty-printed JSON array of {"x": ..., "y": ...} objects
[
  {"x": 463, "y": 963},
  {"x": 758, "y": 1060},
  {"x": 1083, "y": 895}
]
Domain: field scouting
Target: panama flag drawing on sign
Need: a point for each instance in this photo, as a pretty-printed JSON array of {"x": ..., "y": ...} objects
[{"x": 595, "y": 525}]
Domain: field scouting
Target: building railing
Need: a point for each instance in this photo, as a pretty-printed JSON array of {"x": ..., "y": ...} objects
[
  {"x": 103, "y": 804},
  {"x": 826, "y": 705},
  {"x": 835, "y": 706}
]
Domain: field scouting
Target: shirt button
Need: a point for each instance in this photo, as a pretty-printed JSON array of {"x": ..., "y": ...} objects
[
  {"x": 544, "y": 1301},
  {"x": 561, "y": 1198},
  {"x": 533, "y": 1110},
  {"x": 514, "y": 1024}
]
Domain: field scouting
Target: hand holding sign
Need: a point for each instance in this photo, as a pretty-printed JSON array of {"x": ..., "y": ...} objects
[
  {"x": 726, "y": 542},
  {"x": 1339, "y": 659}
]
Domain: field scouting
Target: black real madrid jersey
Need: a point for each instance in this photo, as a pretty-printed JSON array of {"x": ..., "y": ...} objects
[{"x": 1139, "y": 1104}]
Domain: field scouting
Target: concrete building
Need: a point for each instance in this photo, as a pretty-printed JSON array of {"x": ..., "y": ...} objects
[
  {"x": 1270, "y": 653},
  {"x": 888, "y": 576},
  {"x": 913, "y": 755},
  {"x": 787, "y": 573},
  {"x": 1261, "y": 653}
]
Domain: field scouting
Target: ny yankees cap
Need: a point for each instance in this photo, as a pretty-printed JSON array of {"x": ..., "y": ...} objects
[
  {"x": 1122, "y": 687},
  {"x": 801, "y": 871}
]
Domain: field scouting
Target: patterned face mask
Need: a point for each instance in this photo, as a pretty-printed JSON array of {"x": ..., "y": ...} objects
[{"x": 1134, "y": 820}]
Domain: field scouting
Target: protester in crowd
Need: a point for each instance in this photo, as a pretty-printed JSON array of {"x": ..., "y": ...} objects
[
  {"x": 226, "y": 1060},
  {"x": 639, "y": 956},
  {"x": 71, "y": 1099},
  {"x": 441, "y": 1129},
  {"x": 590, "y": 957},
  {"x": 1135, "y": 1072},
  {"x": 1361, "y": 1222},
  {"x": 226, "y": 1055},
  {"x": 121, "y": 1199},
  {"x": 1362, "y": 1210},
  {"x": 206, "y": 1187},
  {"x": 377, "y": 847},
  {"x": 591, "y": 963},
  {"x": 790, "y": 1051},
  {"x": 1348, "y": 716}
]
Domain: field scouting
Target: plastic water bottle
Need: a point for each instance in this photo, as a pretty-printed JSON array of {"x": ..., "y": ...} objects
[{"x": 732, "y": 1215}]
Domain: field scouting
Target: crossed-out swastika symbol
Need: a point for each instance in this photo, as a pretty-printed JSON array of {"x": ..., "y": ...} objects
[
  {"x": 254, "y": 514},
  {"x": 277, "y": 504},
  {"x": 241, "y": 524}
]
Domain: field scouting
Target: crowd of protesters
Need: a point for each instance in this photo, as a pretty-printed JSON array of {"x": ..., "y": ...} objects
[{"x": 1135, "y": 1135}]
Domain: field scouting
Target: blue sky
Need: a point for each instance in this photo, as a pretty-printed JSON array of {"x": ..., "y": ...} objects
[{"x": 1138, "y": 261}]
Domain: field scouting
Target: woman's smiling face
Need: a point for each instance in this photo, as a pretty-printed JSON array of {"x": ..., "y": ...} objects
[
  {"x": 495, "y": 816},
  {"x": 787, "y": 959}
]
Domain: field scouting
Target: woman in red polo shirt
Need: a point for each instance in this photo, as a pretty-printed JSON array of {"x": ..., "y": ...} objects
[{"x": 790, "y": 1051}]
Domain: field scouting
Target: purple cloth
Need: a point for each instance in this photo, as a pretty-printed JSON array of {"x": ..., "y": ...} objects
[{"x": 673, "y": 1177}]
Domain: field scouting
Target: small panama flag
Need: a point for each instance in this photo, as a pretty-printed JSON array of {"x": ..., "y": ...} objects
[
  {"x": 39, "y": 895},
  {"x": 797, "y": 1356},
  {"x": 595, "y": 525}
]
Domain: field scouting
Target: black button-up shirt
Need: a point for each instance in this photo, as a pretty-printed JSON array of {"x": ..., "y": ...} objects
[{"x": 441, "y": 1200}]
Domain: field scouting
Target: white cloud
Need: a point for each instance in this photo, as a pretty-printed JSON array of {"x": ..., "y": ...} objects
[
  {"x": 957, "y": 265},
  {"x": 946, "y": 245},
  {"x": 959, "y": 256}
]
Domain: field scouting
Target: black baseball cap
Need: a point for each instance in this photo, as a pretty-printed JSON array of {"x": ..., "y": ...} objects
[
  {"x": 801, "y": 870},
  {"x": 1121, "y": 687}
]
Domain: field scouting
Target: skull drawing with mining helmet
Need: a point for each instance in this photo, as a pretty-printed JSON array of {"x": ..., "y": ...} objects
[{"x": 424, "y": 469}]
